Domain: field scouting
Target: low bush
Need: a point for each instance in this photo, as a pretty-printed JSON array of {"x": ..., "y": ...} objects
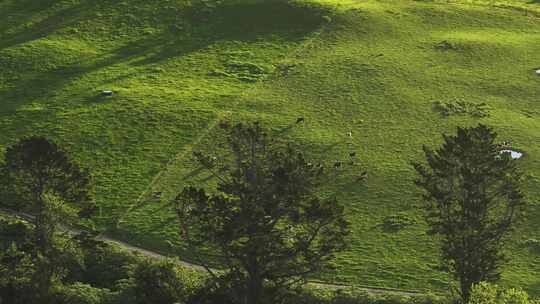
[
  {"x": 223, "y": 293},
  {"x": 102, "y": 265},
  {"x": 244, "y": 71},
  {"x": 15, "y": 231},
  {"x": 80, "y": 293},
  {"x": 461, "y": 107},
  {"x": 445, "y": 45},
  {"x": 159, "y": 282},
  {"x": 16, "y": 271},
  {"x": 486, "y": 293}
]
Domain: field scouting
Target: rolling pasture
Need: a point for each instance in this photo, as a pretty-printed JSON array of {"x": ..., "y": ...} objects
[{"x": 395, "y": 74}]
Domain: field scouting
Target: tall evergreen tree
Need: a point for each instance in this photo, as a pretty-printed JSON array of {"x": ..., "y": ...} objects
[
  {"x": 264, "y": 219},
  {"x": 48, "y": 185},
  {"x": 473, "y": 198}
]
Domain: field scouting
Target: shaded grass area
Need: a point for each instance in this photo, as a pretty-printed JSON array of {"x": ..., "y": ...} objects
[{"x": 373, "y": 68}]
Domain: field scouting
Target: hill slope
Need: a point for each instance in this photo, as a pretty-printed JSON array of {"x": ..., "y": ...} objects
[{"x": 371, "y": 67}]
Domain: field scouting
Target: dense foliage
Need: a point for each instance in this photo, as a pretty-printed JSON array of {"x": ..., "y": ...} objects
[
  {"x": 473, "y": 199},
  {"x": 486, "y": 293},
  {"x": 47, "y": 184},
  {"x": 264, "y": 218}
]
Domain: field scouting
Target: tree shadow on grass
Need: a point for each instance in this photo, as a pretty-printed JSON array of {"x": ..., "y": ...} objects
[
  {"x": 242, "y": 22},
  {"x": 63, "y": 18},
  {"x": 16, "y": 14},
  {"x": 245, "y": 22}
]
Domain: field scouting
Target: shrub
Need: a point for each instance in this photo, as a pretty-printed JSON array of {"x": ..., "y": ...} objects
[
  {"x": 80, "y": 293},
  {"x": 445, "y": 45},
  {"x": 461, "y": 107},
  {"x": 102, "y": 264},
  {"x": 244, "y": 71},
  {"x": 124, "y": 292},
  {"x": 16, "y": 271},
  {"x": 224, "y": 291},
  {"x": 158, "y": 282},
  {"x": 486, "y": 293},
  {"x": 15, "y": 231}
]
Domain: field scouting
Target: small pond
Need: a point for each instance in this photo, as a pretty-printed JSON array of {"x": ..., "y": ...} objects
[{"x": 513, "y": 154}]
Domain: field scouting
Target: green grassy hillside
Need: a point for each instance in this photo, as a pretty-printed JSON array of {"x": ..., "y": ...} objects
[{"x": 372, "y": 67}]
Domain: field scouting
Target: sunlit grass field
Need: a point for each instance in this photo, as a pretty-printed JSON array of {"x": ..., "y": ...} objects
[{"x": 374, "y": 68}]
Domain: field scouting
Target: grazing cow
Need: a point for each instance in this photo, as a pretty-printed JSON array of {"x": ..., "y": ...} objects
[
  {"x": 300, "y": 119},
  {"x": 352, "y": 154},
  {"x": 349, "y": 134},
  {"x": 337, "y": 164}
]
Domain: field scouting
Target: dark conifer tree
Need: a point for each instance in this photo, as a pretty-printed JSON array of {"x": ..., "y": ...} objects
[
  {"x": 48, "y": 185},
  {"x": 264, "y": 218},
  {"x": 473, "y": 198}
]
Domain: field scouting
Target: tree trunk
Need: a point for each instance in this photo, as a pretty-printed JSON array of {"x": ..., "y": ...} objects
[
  {"x": 465, "y": 290},
  {"x": 41, "y": 232},
  {"x": 254, "y": 292},
  {"x": 42, "y": 279},
  {"x": 43, "y": 242},
  {"x": 255, "y": 283}
]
